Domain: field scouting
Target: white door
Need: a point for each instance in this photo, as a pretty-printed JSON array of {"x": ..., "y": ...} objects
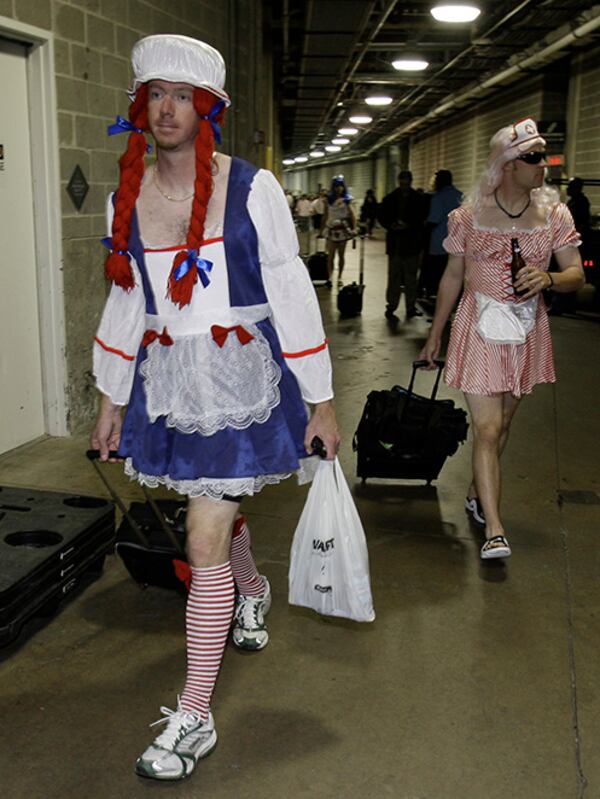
[{"x": 21, "y": 398}]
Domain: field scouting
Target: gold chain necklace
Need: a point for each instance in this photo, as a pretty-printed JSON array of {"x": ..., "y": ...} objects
[{"x": 164, "y": 194}]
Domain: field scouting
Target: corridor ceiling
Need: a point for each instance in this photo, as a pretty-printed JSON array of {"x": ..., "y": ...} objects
[{"x": 330, "y": 54}]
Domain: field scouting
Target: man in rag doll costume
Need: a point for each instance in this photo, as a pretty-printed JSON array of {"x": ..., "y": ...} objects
[{"x": 212, "y": 337}]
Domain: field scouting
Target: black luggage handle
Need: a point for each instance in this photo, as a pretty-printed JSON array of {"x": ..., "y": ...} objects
[
  {"x": 93, "y": 455},
  {"x": 421, "y": 365}
]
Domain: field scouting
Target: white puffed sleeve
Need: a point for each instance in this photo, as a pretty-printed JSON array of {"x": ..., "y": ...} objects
[
  {"x": 119, "y": 336},
  {"x": 296, "y": 312}
]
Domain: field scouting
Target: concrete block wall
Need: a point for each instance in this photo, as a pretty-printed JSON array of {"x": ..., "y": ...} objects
[
  {"x": 359, "y": 175},
  {"x": 93, "y": 40},
  {"x": 583, "y": 132},
  {"x": 461, "y": 143}
]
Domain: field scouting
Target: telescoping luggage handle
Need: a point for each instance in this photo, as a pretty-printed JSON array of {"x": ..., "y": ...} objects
[
  {"x": 93, "y": 455},
  {"x": 421, "y": 365},
  {"x": 361, "y": 253}
]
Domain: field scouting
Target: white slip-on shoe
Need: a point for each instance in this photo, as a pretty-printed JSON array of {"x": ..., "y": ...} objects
[{"x": 495, "y": 547}]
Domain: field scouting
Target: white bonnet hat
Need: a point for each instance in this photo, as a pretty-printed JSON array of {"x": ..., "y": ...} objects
[{"x": 179, "y": 59}]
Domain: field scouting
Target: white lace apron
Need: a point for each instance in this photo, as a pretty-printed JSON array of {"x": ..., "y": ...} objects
[{"x": 203, "y": 382}]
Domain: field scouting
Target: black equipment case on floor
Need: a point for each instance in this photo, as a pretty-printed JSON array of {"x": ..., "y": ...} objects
[
  {"x": 50, "y": 545},
  {"x": 402, "y": 435},
  {"x": 350, "y": 297},
  {"x": 151, "y": 537}
]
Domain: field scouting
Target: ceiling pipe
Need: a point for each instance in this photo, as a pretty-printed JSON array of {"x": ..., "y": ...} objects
[
  {"x": 548, "y": 53},
  {"x": 449, "y": 65},
  {"x": 286, "y": 31},
  {"x": 359, "y": 58}
]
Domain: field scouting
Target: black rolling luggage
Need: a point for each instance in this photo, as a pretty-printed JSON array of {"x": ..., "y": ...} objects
[
  {"x": 402, "y": 435},
  {"x": 151, "y": 538},
  {"x": 51, "y": 544},
  {"x": 350, "y": 297},
  {"x": 317, "y": 266}
]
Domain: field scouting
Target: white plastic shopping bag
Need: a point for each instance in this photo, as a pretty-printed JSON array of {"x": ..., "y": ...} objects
[{"x": 329, "y": 562}]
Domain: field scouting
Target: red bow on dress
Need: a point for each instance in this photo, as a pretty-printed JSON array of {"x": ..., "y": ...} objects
[
  {"x": 151, "y": 335},
  {"x": 220, "y": 334}
]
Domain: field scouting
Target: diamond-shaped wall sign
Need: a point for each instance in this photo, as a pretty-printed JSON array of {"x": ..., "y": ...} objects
[{"x": 77, "y": 187}]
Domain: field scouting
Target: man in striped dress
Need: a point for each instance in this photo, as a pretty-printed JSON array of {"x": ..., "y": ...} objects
[{"x": 500, "y": 345}]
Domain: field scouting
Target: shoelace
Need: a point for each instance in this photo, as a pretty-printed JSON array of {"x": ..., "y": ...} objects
[
  {"x": 247, "y": 612},
  {"x": 177, "y": 726}
]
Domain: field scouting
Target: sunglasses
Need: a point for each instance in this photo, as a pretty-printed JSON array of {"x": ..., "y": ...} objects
[{"x": 532, "y": 158}]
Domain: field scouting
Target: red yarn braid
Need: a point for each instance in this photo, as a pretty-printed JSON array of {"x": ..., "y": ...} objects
[
  {"x": 180, "y": 291},
  {"x": 131, "y": 166}
]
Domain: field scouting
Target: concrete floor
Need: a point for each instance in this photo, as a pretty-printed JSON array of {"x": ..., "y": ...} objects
[{"x": 472, "y": 683}]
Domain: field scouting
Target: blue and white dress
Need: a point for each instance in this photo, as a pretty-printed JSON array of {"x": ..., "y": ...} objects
[{"x": 216, "y": 391}]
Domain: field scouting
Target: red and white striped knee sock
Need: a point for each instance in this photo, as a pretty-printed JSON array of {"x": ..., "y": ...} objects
[
  {"x": 208, "y": 617},
  {"x": 247, "y": 579}
]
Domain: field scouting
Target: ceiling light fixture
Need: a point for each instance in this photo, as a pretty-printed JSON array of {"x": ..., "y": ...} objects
[
  {"x": 316, "y": 154},
  {"x": 410, "y": 64},
  {"x": 287, "y": 161},
  {"x": 455, "y": 12},
  {"x": 361, "y": 119},
  {"x": 378, "y": 99},
  {"x": 348, "y": 131},
  {"x": 300, "y": 159},
  {"x": 332, "y": 148},
  {"x": 340, "y": 140}
]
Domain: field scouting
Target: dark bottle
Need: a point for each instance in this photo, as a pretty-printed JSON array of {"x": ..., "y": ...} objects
[{"x": 516, "y": 264}]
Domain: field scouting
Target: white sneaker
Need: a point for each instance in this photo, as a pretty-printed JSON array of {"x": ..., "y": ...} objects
[
  {"x": 249, "y": 629},
  {"x": 473, "y": 507},
  {"x": 173, "y": 755}
]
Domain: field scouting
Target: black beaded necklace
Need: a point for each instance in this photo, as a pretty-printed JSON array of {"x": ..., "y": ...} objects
[{"x": 512, "y": 216}]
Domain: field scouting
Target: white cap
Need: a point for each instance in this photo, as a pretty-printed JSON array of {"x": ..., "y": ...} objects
[
  {"x": 179, "y": 59},
  {"x": 525, "y": 135},
  {"x": 507, "y": 144}
]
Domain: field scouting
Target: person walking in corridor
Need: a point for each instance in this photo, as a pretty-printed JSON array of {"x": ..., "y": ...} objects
[
  {"x": 402, "y": 213},
  {"x": 212, "y": 337},
  {"x": 339, "y": 224},
  {"x": 445, "y": 199},
  {"x": 500, "y": 242},
  {"x": 368, "y": 212}
]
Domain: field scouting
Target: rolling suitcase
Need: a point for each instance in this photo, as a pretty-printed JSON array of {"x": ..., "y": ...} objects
[
  {"x": 51, "y": 544},
  {"x": 402, "y": 435},
  {"x": 317, "y": 266},
  {"x": 350, "y": 297},
  {"x": 151, "y": 537}
]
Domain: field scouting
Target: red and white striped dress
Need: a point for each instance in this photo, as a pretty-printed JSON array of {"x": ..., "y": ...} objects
[{"x": 477, "y": 366}]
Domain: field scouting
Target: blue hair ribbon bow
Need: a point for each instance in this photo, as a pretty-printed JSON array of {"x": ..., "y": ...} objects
[
  {"x": 217, "y": 107},
  {"x": 202, "y": 264},
  {"x": 107, "y": 242},
  {"x": 123, "y": 125}
]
